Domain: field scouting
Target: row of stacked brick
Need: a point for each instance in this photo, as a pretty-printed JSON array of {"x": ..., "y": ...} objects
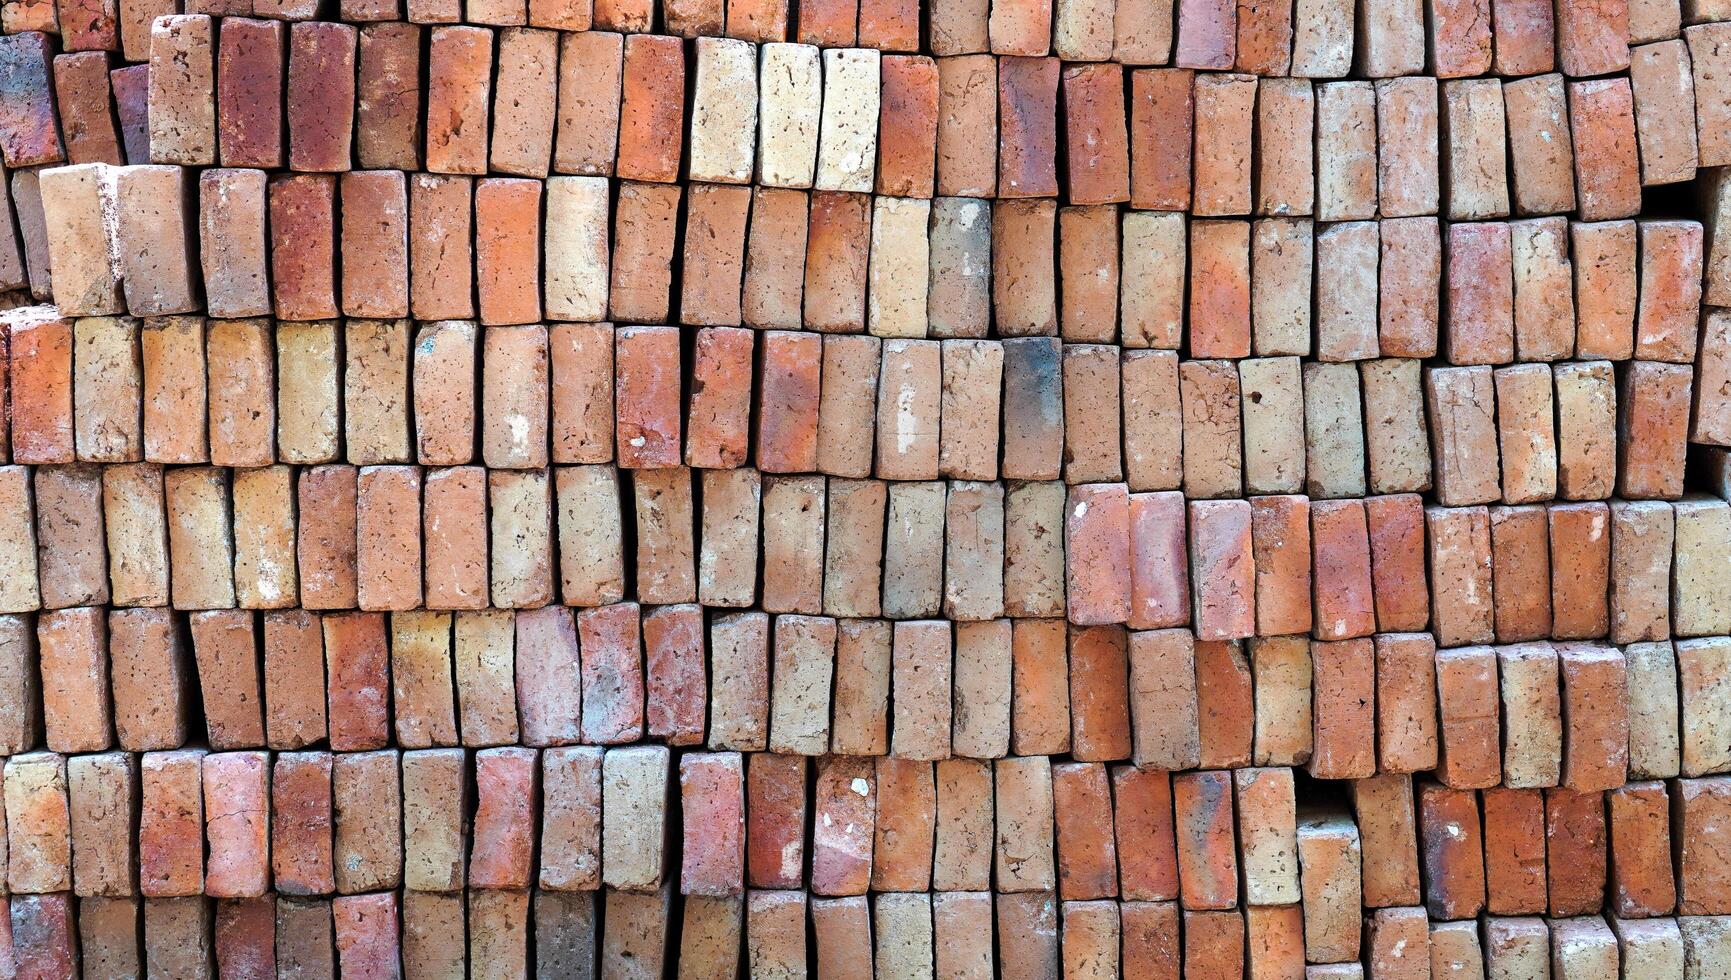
[
  {"x": 530, "y": 103},
  {"x": 1119, "y": 871},
  {"x": 516, "y": 251},
  {"x": 1309, "y": 38},
  {"x": 249, "y": 393}
]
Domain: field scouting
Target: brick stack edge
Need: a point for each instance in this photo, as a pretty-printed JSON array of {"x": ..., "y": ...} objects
[{"x": 865, "y": 489}]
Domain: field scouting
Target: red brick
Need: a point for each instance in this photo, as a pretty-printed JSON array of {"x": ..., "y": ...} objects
[
  {"x": 367, "y": 935},
  {"x": 170, "y": 824},
  {"x": 1345, "y": 742},
  {"x": 81, "y": 88},
  {"x": 1207, "y": 854},
  {"x": 1222, "y": 580},
  {"x": 1575, "y": 842},
  {"x": 460, "y": 72},
  {"x": 1642, "y": 881},
  {"x": 1027, "y": 127},
  {"x": 1602, "y": 124},
  {"x": 1144, "y": 828},
  {"x": 1453, "y": 856},
  {"x": 1514, "y": 851},
  {"x": 1161, "y": 124}
]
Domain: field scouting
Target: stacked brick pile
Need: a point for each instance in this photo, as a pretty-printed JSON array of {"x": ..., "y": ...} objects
[{"x": 855, "y": 488}]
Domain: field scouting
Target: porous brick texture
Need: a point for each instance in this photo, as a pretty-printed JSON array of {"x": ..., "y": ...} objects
[{"x": 897, "y": 489}]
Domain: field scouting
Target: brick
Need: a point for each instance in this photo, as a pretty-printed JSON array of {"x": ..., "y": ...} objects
[
  {"x": 774, "y": 282},
  {"x": 1670, "y": 292},
  {"x": 1524, "y": 433},
  {"x": 1159, "y": 572},
  {"x": 1388, "y": 840},
  {"x": 1460, "y": 403},
  {"x": 366, "y": 934},
  {"x": 1222, "y": 582},
  {"x": 236, "y": 785},
  {"x": 388, "y": 110},
  {"x": 1642, "y": 534},
  {"x": 1542, "y": 177},
  {"x": 1100, "y": 711},
  {"x": 1334, "y": 429},
  {"x": 1286, "y": 112},
  {"x": 1586, "y": 401},
  {"x": 1207, "y": 860},
  {"x": 1032, "y": 409},
  {"x": 1399, "y": 943},
  {"x": 581, "y": 361},
  {"x": 1040, "y": 712},
  {"x": 1655, "y": 944},
  {"x": 1640, "y": 840},
  {"x": 1699, "y": 811},
  {"x": 200, "y": 536},
  {"x": 1593, "y": 41},
  {"x": 29, "y": 131},
  {"x": 1210, "y": 394},
  {"x": 300, "y": 828},
  {"x": 570, "y": 828},
  {"x": 714, "y": 246},
  {"x": 506, "y": 797},
  {"x": 170, "y": 823},
  {"x": 1575, "y": 844},
  {"x": 460, "y": 70},
  {"x": 106, "y": 379},
  {"x": 1097, "y": 551},
  {"x": 1220, "y": 289},
  {"x": 1652, "y": 407},
  {"x": 962, "y": 855},
  {"x": 1461, "y": 575},
  {"x": 1582, "y": 946},
  {"x": 303, "y": 246},
  {"x": 40, "y": 373},
  {"x": 908, "y": 125},
  {"x": 1345, "y": 745},
  {"x": 904, "y": 831},
  {"x": 321, "y": 71},
  {"x": 1601, "y": 118},
  {"x": 643, "y": 233},
  {"x": 1409, "y": 280},
  {"x": 1152, "y": 418},
  {"x": 232, "y": 227},
  {"x": 76, "y": 204},
  {"x": 1164, "y": 700},
  {"x": 1455, "y": 877},
  {"x": 69, "y": 536},
  {"x": 358, "y": 665},
  {"x": 1707, "y": 52},
  {"x": 293, "y": 679},
  {"x": 84, "y": 103},
  {"x": 967, "y": 126},
  {"x": 1664, "y": 88},
  {"x": 898, "y": 269},
  {"x": 1397, "y": 451},
  {"x": 149, "y": 677},
  {"x": 1341, "y": 569},
  {"x": 1328, "y": 850},
  {"x": 1024, "y": 825},
  {"x": 1268, "y": 842},
  {"x": 1515, "y": 851},
  {"x": 173, "y": 354},
  {"x": 1022, "y": 27},
  {"x": 375, "y": 252},
  {"x": 1474, "y": 139},
  {"x": 1022, "y": 246},
  {"x": 1701, "y": 524},
  {"x": 368, "y": 842},
  {"x": 1467, "y": 698},
  {"x": 622, "y": 15},
  {"x": 1521, "y": 573},
  {"x": 71, "y": 647},
  {"x": 1027, "y": 127},
  {"x": 440, "y": 271},
  {"x": 845, "y": 805},
  {"x": 243, "y": 409}
]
